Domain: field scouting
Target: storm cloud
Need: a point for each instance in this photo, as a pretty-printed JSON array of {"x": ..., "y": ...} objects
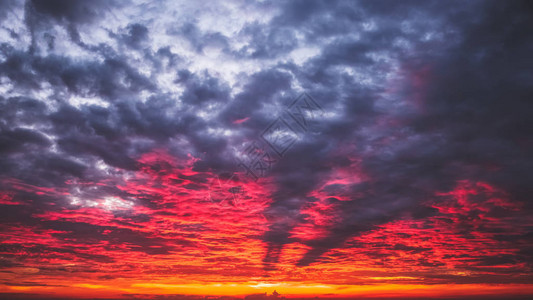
[{"x": 116, "y": 117}]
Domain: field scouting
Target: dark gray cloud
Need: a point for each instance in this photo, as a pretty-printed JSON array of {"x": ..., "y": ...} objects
[
  {"x": 422, "y": 94},
  {"x": 199, "y": 39},
  {"x": 474, "y": 86},
  {"x": 40, "y": 15}
]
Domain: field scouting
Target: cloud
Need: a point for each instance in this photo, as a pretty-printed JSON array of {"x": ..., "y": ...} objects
[{"x": 116, "y": 117}]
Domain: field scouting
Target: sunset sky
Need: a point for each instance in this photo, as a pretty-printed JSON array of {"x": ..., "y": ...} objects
[{"x": 339, "y": 149}]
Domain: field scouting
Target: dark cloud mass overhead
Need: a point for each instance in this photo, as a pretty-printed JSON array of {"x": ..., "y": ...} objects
[{"x": 122, "y": 121}]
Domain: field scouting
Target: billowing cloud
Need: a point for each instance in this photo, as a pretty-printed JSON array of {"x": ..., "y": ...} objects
[{"x": 320, "y": 144}]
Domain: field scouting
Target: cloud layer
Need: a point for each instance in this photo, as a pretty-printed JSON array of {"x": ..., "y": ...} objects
[{"x": 116, "y": 117}]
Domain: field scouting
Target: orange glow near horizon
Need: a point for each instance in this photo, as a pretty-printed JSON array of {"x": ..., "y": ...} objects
[{"x": 121, "y": 289}]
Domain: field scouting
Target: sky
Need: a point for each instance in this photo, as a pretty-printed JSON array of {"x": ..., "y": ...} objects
[{"x": 228, "y": 149}]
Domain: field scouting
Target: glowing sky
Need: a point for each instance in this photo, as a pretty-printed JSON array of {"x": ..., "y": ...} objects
[{"x": 183, "y": 149}]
